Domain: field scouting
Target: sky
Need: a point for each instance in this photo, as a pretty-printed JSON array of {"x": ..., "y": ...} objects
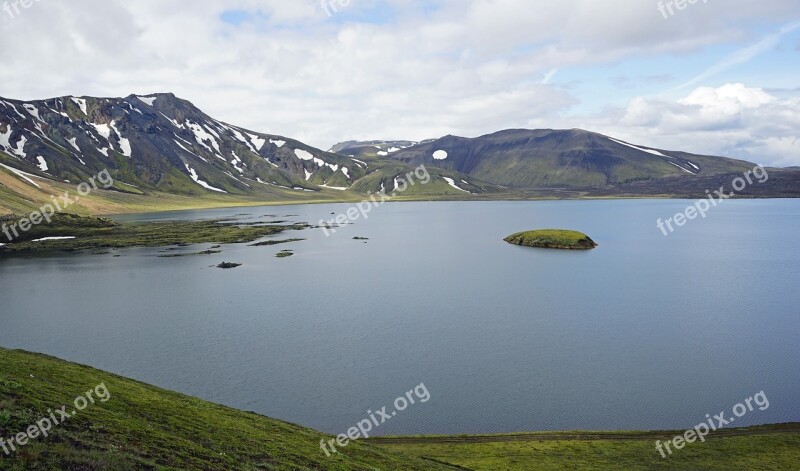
[{"x": 716, "y": 77}]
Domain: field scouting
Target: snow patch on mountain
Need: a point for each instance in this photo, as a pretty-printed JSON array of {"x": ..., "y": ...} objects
[
  {"x": 102, "y": 129},
  {"x": 23, "y": 175},
  {"x": 197, "y": 180},
  {"x": 188, "y": 151},
  {"x": 33, "y": 111},
  {"x": 5, "y": 138},
  {"x": 338, "y": 188},
  {"x": 452, "y": 183},
  {"x": 258, "y": 142},
  {"x": 124, "y": 143},
  {"x": 45, "y": 239},
  {"x": 81, "y": 103},
  {"x": 74, "y": 143},
  {"x": 236, "y": 161},
  {"x": 649, "y": 151},
  {"x": 240, "y": 137},
  {"x": 173, "y": 121},
  {"x": 148, "y": 100},
  {"x": 201, "y": 135},
  {"x": 11, "y": 105},
  {"x": 687, "y": 171},
  {"x": 42, "y": 164},
  {"x": 19, "y": 149},
  {"x": 303, "y": 154}
]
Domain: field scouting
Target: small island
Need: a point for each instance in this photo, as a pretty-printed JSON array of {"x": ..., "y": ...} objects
[
  {"x": 553, "y": 239},
  {"x": 228, "y": 265}
]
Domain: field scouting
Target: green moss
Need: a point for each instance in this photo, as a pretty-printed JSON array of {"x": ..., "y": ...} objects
[{"x": 552, "y": 239}]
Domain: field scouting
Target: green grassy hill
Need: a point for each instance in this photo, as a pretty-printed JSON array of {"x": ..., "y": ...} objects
[
  {"x": 773, "y": 447},
  {"x": 143, "y": 427},
  {"x": 574, "y": 158}
]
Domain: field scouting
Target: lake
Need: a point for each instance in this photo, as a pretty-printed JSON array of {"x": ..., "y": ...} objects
[{"x": 644, "y": 332}]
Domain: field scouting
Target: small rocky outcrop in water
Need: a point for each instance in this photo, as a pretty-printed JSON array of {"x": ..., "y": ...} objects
[
  {"x": 553, "y": 239},
  {"x": 228, "y": 265}
]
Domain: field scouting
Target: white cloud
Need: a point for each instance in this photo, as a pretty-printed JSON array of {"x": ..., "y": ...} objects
[
  {"x": 731, "y": 120},
  {"x": 465, "y": 67},
  {"x": 745, "y": 54}
]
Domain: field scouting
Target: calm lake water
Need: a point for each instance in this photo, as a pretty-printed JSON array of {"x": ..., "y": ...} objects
[{"x": 645, "y": 332}]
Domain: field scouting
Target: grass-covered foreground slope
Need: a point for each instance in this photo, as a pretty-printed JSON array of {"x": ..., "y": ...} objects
[
  {"x": 773, "y": 447},
  {"x": 552, "y": 239},
  {"x": 144, "y": 427}
]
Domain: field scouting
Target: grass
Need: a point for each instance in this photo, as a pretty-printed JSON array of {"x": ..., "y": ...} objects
[
  {"x": 765, "y": 448},
  {"x": 552, "y": 239},
  {"x": 97, "y": 233},
  {"x": 144, "y": 427}
]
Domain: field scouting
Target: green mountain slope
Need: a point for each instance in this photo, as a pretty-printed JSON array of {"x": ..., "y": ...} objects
[
  {"x": 547, "y": 158},
  {"x": 160, "y": 144},
  {"x": 144, "y": 427},
  {"x": 131, "y": 425}
]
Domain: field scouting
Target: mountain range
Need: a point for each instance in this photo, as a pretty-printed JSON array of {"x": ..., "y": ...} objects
[{"x": 159, "y": 145}]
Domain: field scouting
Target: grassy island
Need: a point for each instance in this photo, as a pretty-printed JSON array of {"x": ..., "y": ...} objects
[{"x": 553, "y": 239}]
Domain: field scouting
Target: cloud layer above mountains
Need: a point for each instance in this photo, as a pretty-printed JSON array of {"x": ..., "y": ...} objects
[{"x": 716, "y": 77}]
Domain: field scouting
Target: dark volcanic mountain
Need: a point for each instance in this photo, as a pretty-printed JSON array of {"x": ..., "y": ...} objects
[
  {"x": 548, "y": 158},
  {"x": 159, "y": 142}
]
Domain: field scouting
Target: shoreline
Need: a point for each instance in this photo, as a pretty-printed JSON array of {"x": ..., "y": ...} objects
[
  {"x": 476, "y": 199},
  {"x": 137, "y": 425}
]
